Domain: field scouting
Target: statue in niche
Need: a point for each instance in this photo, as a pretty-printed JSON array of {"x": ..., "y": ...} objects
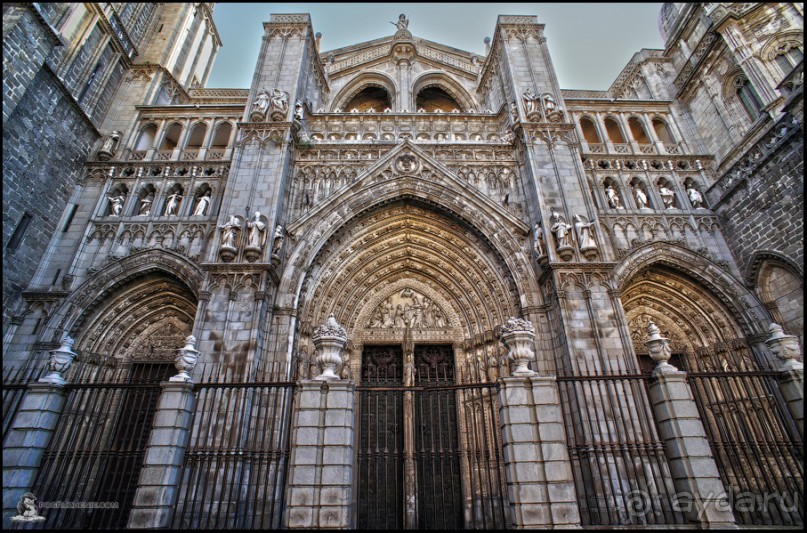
[
  {"x": 695, "y": 197},
  {"x": 550, "y": 106},
  {"x": 229, "y": 229},
  {"x": 145, "y": 205},
  {"x": 277, "y": 243},
  {"x": 260, "y": 106},
  {"x": 538, "y": 245},
  {"x": 641, "y": 197},
  {"x": 299, "y": 110},
  {"x": 402, "y": 24},
  {"x": 255, "y": 229},
  {"x": 172, "y": 206},
  {"x": 202, "y": 205},
  {"x": 514, "y": 111},
  {"x": 613, "y": 198},
  {"x": 531, "y": 102},
  {"x": 493, "y": 369},
  {"x": 109, "y": 145},
  {"x": 667, "y": 197},
  {"x": 564, "y": 238},
  {"x": 585, "y": 233},
  {"x": 116, "y": 204}
]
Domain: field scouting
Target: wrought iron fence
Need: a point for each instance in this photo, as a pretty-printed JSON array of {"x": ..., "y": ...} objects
[
  {"x": 236, "y": 461},
  {"x": 752, "y": 435}
]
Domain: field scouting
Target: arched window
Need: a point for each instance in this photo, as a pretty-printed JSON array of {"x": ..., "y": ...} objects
[
  {"x": 748, "y": 96},
  {"x": 662, "y": 131},
  {"x": 433, "y": 99},
  {"x": 221, "y": 139},
  {"x": 171, "y": 138},
  {"x": 787, "y": 58},
  {"x": 590, "y": 133},
  {"x": 637, "y": 131},
  {"x": 197, "y": 136},
  {"x": 369, "y": 98},
  {"x": 613, "y": 131},
  {"x": 146, "y": 139}
]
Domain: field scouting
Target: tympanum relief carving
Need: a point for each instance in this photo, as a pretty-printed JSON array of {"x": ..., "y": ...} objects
[{"x": 407, "y": 307}]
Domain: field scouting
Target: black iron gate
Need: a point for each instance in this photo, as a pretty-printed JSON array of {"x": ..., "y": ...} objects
[
  {"x": 754, "y": 440},
  {"x": 455, "y": 475},
  {"x": 93, "y": 462}
]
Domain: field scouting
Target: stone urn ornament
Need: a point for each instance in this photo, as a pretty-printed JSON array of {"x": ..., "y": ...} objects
[
  {"x": 60, "y": 361},
  {"x": 518, "y": 335},
  {"x": 329, "y": 339},
  {"x": 659, "y": 349},
  {"x": 185, "y": 360}
]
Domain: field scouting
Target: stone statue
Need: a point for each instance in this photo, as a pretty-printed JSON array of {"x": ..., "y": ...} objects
[
  {"x": 641, "y": 197},
  {"x": 145, "y": 205},
  {"x": 261, "y": 104},
  {"x": 280, "y": 100},
  {"x": 695, "y": 197},
  {"x": 538, "y": 245},
  {"x": 116, "y": 204},
  {"x": 172, "y": 207},
  {"x": 514, "y": 111},
  {"x": 402, "y": 24},
  {"x": 613, "y": 198},
  {"x": 255, "y": 231},
  {"x": 299, "y": 110},
  {"x": 550, "y": 106},
  {"x": 302, "y": 365},
  {"x": 563, "y": 232},
  {"x": 278, "y": 242},
  {"x": 111, "y": 142},
  {"x": 202, "y": 205},
  {"x": 228, "y": 232},
  {"x": 585, "y": 232},
  {"x": 667, "y": 197},
  {"x": 530, "y": 102}
]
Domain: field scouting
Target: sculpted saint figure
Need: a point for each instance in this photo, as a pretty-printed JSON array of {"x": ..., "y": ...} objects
[
  {"x": 584, "y": 232},
  {"x": 278, "y": 240},
  {"x": 261, "y": 103},
  {"x": 549, "y": 104},
  {"x": 255, "y": 227},
  {"x": 695, "y": 197},
  {"x": 298, "y": 110},
  {"x": 402, "y": 24},
  {"x": 562, "y": 231},
  {"x": 116, "y": 204},
  {"x": 641, "y": 197},
  {"x": 229, "y": 229},
  {"x": 530, "y": 101},
  {"x": 280, "y": 100},
  {"x": 172, "y": 207},
  {"x": 539, "y": 240},
  {"x": 201, "y": 207},
  {"x": 667, "y": 197},
  {"x": 613, "y": 198},
  {"x": 145, "y": 205}
]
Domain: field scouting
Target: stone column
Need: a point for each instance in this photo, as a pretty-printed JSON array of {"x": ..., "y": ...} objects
[
  {"x": 791, "y": 377},
  {"x": 32, "y": 429},
  {"x": 320, "y": 475},
  {"x": 540, "y": 483},
  {"x": 158, "y": 487},
  {"x": 697, "y": 482}
]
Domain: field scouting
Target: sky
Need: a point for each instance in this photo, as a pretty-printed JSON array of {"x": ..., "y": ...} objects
[{"x": 589, "y": 43}]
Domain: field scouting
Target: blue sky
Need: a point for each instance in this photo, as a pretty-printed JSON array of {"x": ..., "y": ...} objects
[{"x": 589, "y": 43}]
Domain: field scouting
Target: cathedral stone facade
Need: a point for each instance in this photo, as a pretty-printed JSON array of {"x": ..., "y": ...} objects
[{"x": 400, "y": 285}]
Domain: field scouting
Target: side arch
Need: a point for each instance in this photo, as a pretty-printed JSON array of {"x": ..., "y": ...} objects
[
  {"x": 439, "y": 79},
  {"x": 361, "y": 82}
]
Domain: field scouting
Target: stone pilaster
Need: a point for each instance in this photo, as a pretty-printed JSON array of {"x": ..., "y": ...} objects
[
  {"x": 321, "y": 470},
  {"x": 791, "y": 378},
  {"x": 791, "y": 383},
  {"x": 158, "y": 487},
  {"x": 540, "y": 482},
  {"x": 694, "y": 471},
  {"x": 27, "y": 440}
]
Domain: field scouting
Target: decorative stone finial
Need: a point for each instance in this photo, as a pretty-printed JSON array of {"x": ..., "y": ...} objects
[
  {"x": 60, "y": 361},
  {"x": 329, "y": 339},
  {"x": 185, "y": 360},
  {"x": 518, "y": 336},
  {"x": 659, "y": 349},
  {"x": 784, "y": 347}
]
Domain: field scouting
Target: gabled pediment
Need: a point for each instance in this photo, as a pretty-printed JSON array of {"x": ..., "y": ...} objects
[{"x": 407, "y": 171}]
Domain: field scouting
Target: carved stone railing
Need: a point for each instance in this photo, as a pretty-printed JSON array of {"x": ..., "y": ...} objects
[
  {"x": 793, "y": 81},
  {"x": 596, "y": 148},
  {"x": 567, "y": 93},
  {"x": 137, "y": 155},
  {"x": 647, "y": 149},
  {"x": 672, "y": 148},
  {"x": 622, "y": 148}
]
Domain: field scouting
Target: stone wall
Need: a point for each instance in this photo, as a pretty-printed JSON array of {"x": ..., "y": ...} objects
[{"x": 45, "y": 142}]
